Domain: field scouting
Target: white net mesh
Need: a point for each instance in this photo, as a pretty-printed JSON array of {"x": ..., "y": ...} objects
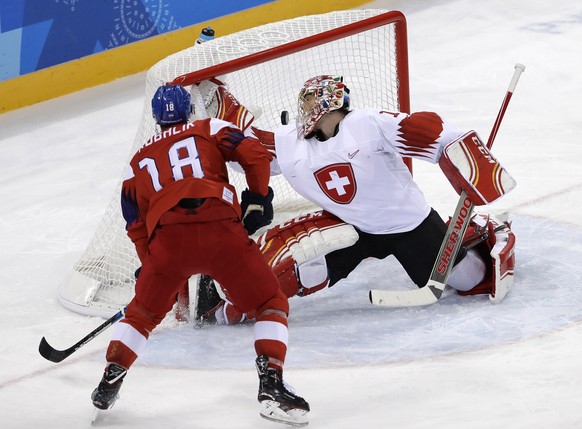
[{"x": 102, "y": 281}]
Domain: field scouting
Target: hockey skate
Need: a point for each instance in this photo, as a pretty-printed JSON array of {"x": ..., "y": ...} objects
[
  {"x": 207, "y": 301},
  {"x": 105, "y": 395},
  {"x": 279, "y": 403}
]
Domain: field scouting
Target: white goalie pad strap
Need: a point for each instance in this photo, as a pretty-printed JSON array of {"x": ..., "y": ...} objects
[
  {"x": 469, "y": 165},
  {"x": 306, "y": 237}
]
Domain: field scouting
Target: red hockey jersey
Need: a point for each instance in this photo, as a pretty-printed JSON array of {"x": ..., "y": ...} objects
[{"x": 188, "y": 161}]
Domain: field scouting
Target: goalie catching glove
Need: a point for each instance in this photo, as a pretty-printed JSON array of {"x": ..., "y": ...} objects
[
  {"x": 470, "y": 166},
  {"x": 257, "y": 210},
  {"x": 219, "y": 103}
]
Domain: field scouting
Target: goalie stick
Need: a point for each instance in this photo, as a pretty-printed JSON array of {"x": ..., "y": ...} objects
[
  {"x": 50, "y": 353},
  {"x": 433, "y": 290}
]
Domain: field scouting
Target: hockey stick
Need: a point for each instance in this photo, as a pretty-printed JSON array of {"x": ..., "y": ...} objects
[
  {"x": 50, "y": 353},
  {"x": 433, "y": 290}
]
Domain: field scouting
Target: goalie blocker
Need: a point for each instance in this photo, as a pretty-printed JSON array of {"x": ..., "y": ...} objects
[{"x": 469, "y": 165}]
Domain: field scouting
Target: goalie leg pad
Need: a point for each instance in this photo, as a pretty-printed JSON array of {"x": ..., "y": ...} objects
[
  {"x": 301, "y": 280},
  {"x": 313, "y": 276},
  {"x": 469, "y": 165},
  {"x": 300, "y": 242},
  {"x": 296, "y": 250},
  {"x": 499, "y": 249},
  {"x": 306, "y": 238}
]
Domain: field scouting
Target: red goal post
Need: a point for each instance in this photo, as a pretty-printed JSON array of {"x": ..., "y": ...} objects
[
  {"x": 264, "y": 67},
  {"x": 391, "y": 17}
]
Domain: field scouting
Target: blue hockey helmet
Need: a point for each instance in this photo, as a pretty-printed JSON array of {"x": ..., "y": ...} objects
[{"x": 171, "y": 105}]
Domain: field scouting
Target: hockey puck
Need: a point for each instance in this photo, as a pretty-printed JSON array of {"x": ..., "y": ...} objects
[{"x": 284, "y": 117}]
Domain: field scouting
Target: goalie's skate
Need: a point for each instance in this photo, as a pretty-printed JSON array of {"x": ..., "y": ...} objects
[
  {"x": 208, "y": 300},
  {"x": 279, "y": 403}
]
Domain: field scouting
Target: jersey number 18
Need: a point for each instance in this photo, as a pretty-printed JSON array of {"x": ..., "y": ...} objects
[{"x": 177, "y": 162}]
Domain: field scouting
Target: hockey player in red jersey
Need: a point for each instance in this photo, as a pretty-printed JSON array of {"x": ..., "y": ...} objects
[
  {"x": 350, "y": 163},
  {"x": 175, "y": 196}
]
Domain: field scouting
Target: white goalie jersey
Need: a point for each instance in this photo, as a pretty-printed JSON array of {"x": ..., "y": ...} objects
[{"x": 359, "y": 174}]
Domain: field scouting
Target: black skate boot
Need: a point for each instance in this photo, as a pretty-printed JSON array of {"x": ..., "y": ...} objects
[
  {"x": 207, "y": 301},
  {"x": 278, "y": 401},
  {"x": 105, "y": 395}
]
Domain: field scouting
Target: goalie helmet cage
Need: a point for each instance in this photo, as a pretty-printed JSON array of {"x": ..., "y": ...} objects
[{"x": 264, "y": 67}]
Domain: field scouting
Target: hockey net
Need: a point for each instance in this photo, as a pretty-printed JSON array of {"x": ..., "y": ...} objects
[{"x": 264, "y": 67}]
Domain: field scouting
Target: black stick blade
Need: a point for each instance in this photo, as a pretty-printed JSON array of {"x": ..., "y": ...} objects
[{"x": 50, "y": 353}]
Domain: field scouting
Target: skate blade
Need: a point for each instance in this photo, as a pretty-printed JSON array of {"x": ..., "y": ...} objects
[
  {"x": 270, "y": 410},
  {"x": 99, "y": 412},
  {"x": 96, "y": 416}
]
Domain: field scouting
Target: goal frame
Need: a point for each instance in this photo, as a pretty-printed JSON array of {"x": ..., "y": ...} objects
[
  {"x": 392, "y": 17},
  {"x": 83, "y": 285}
]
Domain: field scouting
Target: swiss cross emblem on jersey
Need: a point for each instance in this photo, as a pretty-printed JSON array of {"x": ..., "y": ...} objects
[{"x": 337, "y": 181}]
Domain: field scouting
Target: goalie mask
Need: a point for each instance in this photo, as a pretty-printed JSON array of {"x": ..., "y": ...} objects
[
  {"x": 171, "y": 105},
  {"x": 320, "y": 95}
]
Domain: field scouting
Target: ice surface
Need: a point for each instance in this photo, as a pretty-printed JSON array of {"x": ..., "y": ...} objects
[{"x": 462, "y": 362}]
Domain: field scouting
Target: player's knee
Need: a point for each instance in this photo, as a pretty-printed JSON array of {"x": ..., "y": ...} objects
[{"x": 141, "y": 318}]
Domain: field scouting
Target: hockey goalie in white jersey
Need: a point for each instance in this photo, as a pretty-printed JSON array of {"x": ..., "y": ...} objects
[{"x": 350, "y": 163}]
